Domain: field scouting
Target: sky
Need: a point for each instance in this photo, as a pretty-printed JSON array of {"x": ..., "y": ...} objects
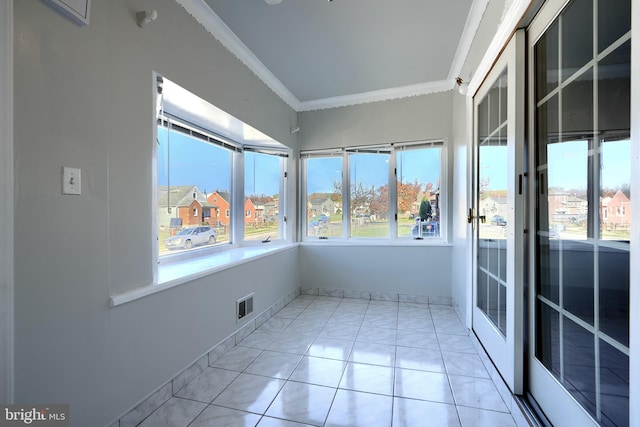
[
  {"x": 566, "y": 165},
  {"x": 373, "y": 169},
  {"x": 195, "y": 162}
]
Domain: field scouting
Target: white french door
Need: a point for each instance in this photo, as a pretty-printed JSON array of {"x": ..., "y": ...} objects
[
  {"x": 581, "y": 147},
  {"x": 498, "y": 213}
]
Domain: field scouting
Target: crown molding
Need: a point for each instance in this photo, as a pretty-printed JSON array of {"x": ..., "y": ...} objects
[
  {"x": 211, "y": 22},
  {"x": 204, "y": 15},
  {"x": 507, "y": 27},
  {"x": 378, "y": 95},
  {"x": 466, "y": 40}
]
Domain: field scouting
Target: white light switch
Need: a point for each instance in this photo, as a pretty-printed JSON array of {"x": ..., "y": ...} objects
[{"x": 70, "y": 181}]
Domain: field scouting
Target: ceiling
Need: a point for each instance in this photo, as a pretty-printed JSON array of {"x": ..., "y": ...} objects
[{"x": 322, "y": 54}]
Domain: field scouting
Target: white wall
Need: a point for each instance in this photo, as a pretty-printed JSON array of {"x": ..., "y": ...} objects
[
  {"x": 83, "y": 98},
  {"x": 390, "y": 269},
  {"x": 460, "y": 282},
  {"x": 414, "y": 271}
]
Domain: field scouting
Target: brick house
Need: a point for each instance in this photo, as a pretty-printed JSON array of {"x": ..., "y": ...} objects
[
  {"x": 615, "y": 212},
  {"x": 184, "y": 202},
  {"x": 221, "y": 213}
]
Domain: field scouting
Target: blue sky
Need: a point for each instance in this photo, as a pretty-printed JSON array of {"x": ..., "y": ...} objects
[
  {"x": 209, "y": 166},
  {"x": 567, "y": 165},
  {"x": 195, "y": 162},
  {"x": 373, "y": 169}
]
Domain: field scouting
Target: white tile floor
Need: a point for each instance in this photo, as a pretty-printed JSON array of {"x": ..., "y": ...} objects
[{"x": 324, "y": 361}]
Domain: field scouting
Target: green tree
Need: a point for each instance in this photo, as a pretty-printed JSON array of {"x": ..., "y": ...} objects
[{"x": 425, "y": 210}]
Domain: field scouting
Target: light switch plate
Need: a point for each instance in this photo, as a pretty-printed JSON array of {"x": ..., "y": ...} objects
[{"x": 71, "y": 183}]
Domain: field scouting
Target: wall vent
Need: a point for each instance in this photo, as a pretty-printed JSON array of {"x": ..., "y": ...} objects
[{"x": 244, "y": 306}]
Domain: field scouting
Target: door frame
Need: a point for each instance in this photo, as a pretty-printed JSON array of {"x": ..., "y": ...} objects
[
  {"x": 6, "y": 203},
  {"x": 634, "y": 277},
  {"x": 563, "y": 405},
  {"x": 508, "y": 362}
]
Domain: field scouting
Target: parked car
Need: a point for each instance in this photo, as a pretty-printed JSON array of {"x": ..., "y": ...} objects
[
  {"x": 498, "y": 220},
  {"x": 190, "y": 237}
]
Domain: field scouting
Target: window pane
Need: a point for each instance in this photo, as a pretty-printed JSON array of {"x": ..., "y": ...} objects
[
  {"x": 567, "y": 190},
  {"x": 614, "y": 20},
  {"x": 262, "y": 176},
  {"x": 369, "y": 194},
  {"x": 324, "y": 196},
  {"x": 418, "y": 189},
  {"x": 577, "y": 36},
  {"x": 194, "y": 180}
]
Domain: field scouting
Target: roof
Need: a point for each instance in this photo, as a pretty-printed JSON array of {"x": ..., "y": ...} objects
[{"x": 181, "y": 195}]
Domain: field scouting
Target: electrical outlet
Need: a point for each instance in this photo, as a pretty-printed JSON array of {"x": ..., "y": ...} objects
[{"x": 71, "y": 183}]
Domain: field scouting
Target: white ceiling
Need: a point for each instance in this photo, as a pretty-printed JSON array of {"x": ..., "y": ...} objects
[{"x": 322, "y": 54}]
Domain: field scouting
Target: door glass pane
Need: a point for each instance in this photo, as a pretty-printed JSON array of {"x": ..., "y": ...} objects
[
  {"x": 583, "y": 153},
  {"x": 547, "y": 65},
  {"x": 492, "y": 203},
  {"x": 369, "y": 194},
  {"x": 613, "y": 271},
  {"x": 577, "y": 36},
  {"x": 548, "y": 343},
  {"x": 578, "y": 368},
  {"x": 614, "y": 382},
  {"x": 614, "y": 21},
  {"x": 324, "y": 196}
]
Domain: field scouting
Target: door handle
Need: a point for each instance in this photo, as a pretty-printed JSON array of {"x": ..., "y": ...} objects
[
  {"x": 482, "y": 219},
  {"x": 471, "y": 216}
]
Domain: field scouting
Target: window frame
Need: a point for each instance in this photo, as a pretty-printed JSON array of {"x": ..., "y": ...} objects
[
  {"x": 392, "y": 235},
  {"x": 163, "y": 119}
]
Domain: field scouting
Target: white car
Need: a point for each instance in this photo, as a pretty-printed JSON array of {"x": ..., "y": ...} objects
[{"x": 190, "y": 237}]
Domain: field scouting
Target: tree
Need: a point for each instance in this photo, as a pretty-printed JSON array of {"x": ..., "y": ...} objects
[
  {"x": 379, "y": 205},
  {"x": 407, "y": 195},
  {"x": 425, "y": 210},
  {"x": 360, "y": 196}
]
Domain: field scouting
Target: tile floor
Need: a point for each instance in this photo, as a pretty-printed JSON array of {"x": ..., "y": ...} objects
[{"x": 324, "y": 361}]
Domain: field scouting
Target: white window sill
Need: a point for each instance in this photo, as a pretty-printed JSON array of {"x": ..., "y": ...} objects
[
  {"x": 435, "y": 242},
  {"x": 183, "y": 271}
]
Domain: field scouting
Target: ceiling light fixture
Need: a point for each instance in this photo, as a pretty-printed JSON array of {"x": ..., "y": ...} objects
[{"x": 272, "y": 2}]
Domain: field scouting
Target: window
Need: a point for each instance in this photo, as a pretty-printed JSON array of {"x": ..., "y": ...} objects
[
  {"x": 393, "y": 192},
  {"x": 198, "y": 176},
  {"x": 369, "y": 193},
  {"x": 264, "y": 175},
  {"x": 184, "y": 176},
  {"x": 324, "y": 194},
  {"x": 418, "y": 191}
]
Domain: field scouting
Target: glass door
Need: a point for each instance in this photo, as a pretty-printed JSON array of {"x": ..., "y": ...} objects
[
  {"x": 498, "y": 223},
  {"x": 580, "y": 78}
]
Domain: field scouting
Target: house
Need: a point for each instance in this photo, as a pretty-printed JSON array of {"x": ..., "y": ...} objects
[
  {"x": 490, "y": 206},
  {"x": 185, "y": 202},
  {"x": 615, "y": 212},
  {"x": 91, "y": 316},
  {"x": 220, "y": 199},
  {"x": 322, "y": 205},
  {"x": 567, "y": 208}
]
